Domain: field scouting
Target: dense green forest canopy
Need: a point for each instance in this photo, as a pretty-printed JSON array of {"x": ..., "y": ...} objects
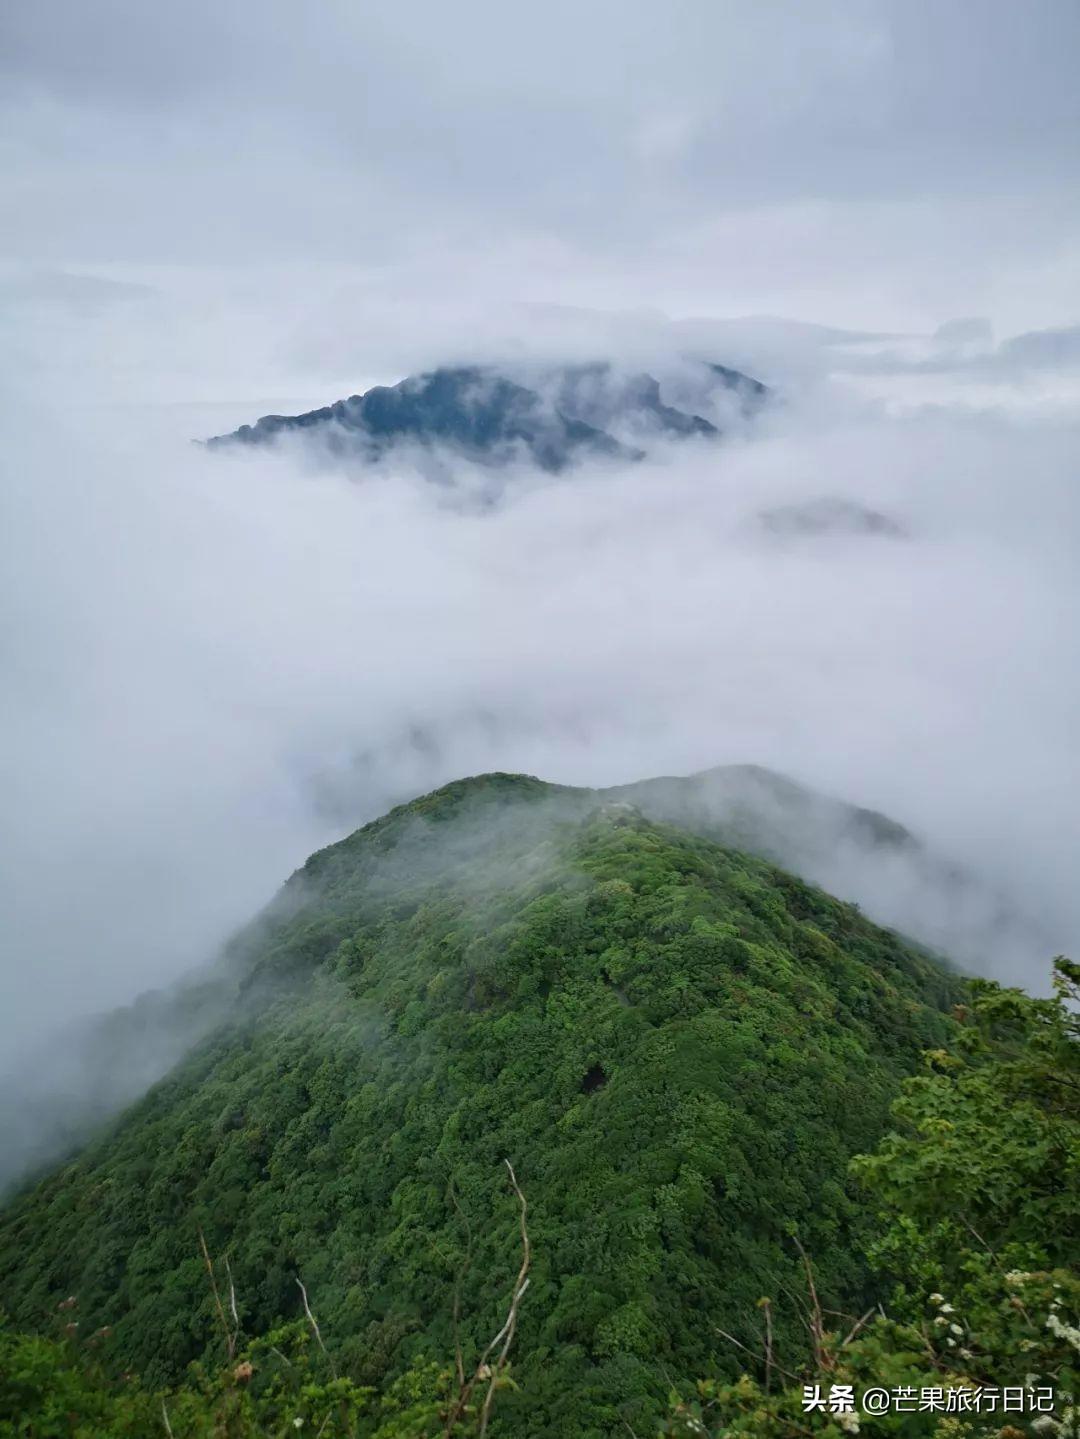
[
  {"x": 989, "y": 1135},
  {"x": 678, "y": 1046}
]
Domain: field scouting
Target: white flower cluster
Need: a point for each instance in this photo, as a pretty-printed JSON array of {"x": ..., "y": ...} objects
[
  {"x": 942, "y": 1321},
  {"x": 1069, "y": 1332}
]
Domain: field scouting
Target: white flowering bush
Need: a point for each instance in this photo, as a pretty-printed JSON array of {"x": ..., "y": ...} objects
[{"x": 978, "y": 1186}]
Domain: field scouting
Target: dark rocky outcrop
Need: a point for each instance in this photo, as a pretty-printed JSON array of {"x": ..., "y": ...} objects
[{"x": 552, "y": 418}]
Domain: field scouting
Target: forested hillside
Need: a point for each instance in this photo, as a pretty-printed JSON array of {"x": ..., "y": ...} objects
[{"x": 677, "y": 1046}]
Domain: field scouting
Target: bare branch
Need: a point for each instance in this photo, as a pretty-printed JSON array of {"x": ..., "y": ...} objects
[
  {"x": 519, "y": 1289},
  {"x": 817, "y": 1327},
  {"x": 458, "y": 1281},
  {"x": 740, "y": 1345},
  {"x": 767, "y": 1306},
  {"x": 232, "y": 1294},
  {"x": 732, "y": 1340},
  {"x": 997, "y": 1263},
  {"x": 232, "y": 1307},
  {"x": 504, "y": 1338},
  {"x": 230, "y": 1337},
  {"x": 804, "y": 1313},
  {"x": 858, "y": 1326},
  {"x": 165, "y": 1420},
  {"x": 315, "y": 1327}
]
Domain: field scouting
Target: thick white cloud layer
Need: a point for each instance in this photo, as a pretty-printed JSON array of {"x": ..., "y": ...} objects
[
  {"x": 211, "y": 667},
  {"x": 215, "y": 664}
]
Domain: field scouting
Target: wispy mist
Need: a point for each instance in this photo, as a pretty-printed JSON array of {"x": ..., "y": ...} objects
[
  {"x": 217, "y": 663},
  {"x": 214, "y": 663}
]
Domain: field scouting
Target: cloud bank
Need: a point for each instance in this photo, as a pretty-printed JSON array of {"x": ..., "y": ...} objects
[
  {"x": 217, "y": 663},
  {"x": 212, "y": 665}
]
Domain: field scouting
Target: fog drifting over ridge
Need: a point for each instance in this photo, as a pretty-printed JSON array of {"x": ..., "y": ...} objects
[
  {"x": 213, "y": 664},
  {"x": 221, "y": 663}
]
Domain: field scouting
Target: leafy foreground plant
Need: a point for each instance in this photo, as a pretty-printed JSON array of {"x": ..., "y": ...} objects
[
  {"x": 50, "y": 1390},
  {"x": 979, "y": 1189},
  {"x": 274, "y": 1385}
]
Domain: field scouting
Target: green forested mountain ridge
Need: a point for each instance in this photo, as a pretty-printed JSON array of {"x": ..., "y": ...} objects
[
  {"x": 678, "y": 1046},
  {"x": 82, "y": 1077}
]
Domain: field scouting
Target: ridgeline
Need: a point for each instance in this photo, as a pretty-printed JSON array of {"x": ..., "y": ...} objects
[{"x": 678, "y": 1046}]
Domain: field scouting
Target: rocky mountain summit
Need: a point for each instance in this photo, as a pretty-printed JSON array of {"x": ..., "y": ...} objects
[{"x": 552, "y": 418}]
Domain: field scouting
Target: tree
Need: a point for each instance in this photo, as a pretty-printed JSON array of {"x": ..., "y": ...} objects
[{"x": 978, "y": 1185}]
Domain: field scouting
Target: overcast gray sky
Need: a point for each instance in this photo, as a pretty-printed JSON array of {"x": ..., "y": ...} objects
[{"x": 881, "y": 163}]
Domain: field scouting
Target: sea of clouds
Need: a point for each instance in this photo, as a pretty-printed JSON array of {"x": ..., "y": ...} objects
[{"x": 216, "y": 663}]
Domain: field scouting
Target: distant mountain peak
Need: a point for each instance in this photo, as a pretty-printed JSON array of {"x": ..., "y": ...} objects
[{"x": 553, "y": 418}]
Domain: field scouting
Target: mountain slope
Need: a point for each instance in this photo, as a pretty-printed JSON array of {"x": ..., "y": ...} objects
[
  {"x": 80, "y": 1078},
  {"x": 678, "y": 1046},
  {"x": 84, "y": 1076},
  {"x": 553, "y": 418},
  {"x": 856, "y": 853}
]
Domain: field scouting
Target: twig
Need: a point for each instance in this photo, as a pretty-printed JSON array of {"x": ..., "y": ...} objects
[
  {"x": 997, "y": 1262},
  {"x": 797, "y": 1301},
  {"x": 817, "y": 1328},
  {"x": 519, "y": 1289},
  {"x": 232, "y": 1296},
  {"x": 767, "y": 1306},
  {"x": 458, "y": 1281},
  {"x": 928, "y": 1346},
  {"x": 505, "y": 1335},
  {"x": 794, "y": 1378},
  {"x": 732, "y": 1340},
  {"x": 230, "y": 1337},
  {"x": 315, "y": 1327},
  {"x": 858, "y": 1326}
]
